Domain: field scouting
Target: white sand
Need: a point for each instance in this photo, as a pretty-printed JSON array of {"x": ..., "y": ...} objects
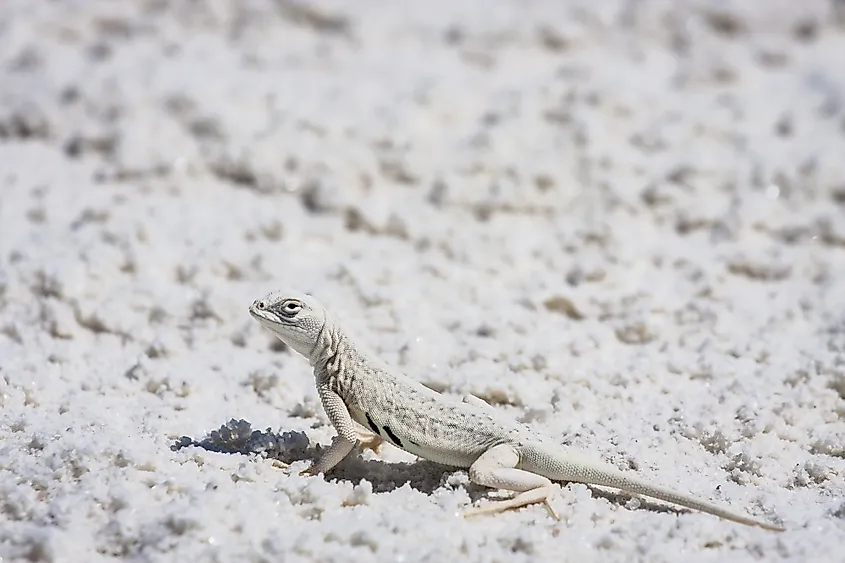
[{"x": 623, "y": 222}]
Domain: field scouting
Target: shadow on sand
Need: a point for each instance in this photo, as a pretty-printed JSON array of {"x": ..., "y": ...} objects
[{"x": 238, "y": 437}]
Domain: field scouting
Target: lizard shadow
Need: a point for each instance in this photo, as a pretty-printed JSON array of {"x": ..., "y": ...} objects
[{"x": 238, "y": 437}]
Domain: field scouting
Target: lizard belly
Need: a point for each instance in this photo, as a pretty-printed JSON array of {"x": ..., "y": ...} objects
[
  {"x": 451, "y": 457},
  {"x": 414, "y": 443}
]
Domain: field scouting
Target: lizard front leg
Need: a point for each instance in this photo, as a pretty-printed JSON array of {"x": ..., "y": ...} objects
[
  {"x": 347, "y": 434},
  {"x": 496, "y": 468}
]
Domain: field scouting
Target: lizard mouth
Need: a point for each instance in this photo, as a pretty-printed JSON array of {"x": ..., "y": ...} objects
[{"x": 262, "y": 316}]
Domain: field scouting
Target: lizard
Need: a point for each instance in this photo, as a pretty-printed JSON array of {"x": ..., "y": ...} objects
[{"x": 358, "y": 389}]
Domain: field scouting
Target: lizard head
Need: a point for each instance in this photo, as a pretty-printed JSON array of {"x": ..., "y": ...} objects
[{"x": 294, "y": 317}]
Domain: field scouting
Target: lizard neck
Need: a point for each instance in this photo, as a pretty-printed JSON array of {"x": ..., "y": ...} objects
[
  {"x": 331, "y": 356},
  {"x": 326, "y": 346}
]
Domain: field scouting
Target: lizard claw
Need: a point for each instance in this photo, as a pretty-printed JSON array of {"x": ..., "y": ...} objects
[
  {"x": 552, "y": 512},
  {"x": 307, "y": 472}
]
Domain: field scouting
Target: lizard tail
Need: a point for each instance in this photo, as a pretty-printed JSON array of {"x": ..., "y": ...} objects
[{"x": 580, "y": 470}]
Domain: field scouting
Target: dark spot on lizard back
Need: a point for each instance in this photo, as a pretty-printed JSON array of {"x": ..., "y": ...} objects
[
  {"x": 393, "y": 437},
  {"x": 372, "y": 424}
]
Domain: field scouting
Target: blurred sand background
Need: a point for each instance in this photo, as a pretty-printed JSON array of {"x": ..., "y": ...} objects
[{"x": 620, "y": 221}]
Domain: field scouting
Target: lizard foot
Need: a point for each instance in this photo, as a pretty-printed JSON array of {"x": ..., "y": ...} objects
[
  {"x": 369, "y": 441},
  {"x": 520, "y": 500},
  {"x": 307, "y": 472},
  {"x": 279, "y": 464}
]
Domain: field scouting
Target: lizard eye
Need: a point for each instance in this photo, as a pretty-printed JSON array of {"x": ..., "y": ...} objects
[
  {"x": 291, "y": 307},
  {"x": 261, "y": 305}
]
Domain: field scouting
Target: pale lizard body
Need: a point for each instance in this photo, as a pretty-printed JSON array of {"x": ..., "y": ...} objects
[{"x": 354, "y": 385}]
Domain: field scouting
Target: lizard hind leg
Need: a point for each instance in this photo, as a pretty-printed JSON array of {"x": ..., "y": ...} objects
[
  {"x": 496, "y": 468},
  {"x": 370, "y": 441}
]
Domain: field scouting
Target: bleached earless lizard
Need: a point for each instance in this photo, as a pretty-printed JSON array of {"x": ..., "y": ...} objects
[{"x": 355, "y": 386}]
